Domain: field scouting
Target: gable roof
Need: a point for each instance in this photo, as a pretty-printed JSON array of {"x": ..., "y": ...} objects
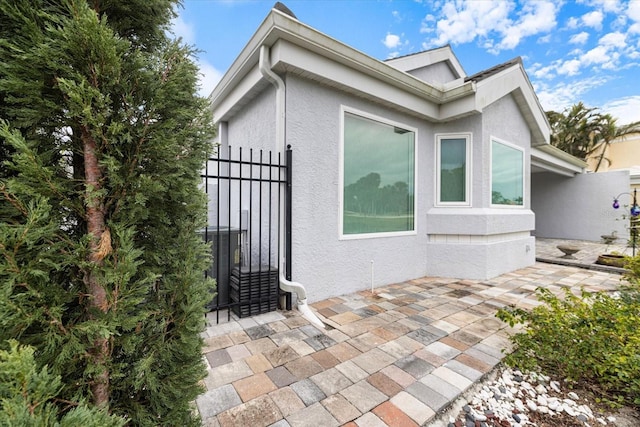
[
  {"x": 414, "y": 61},
  {"x": 297, "y": 48},
  {"x": 493, "y": 70}
]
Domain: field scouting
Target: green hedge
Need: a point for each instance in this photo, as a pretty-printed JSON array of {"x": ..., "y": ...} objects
[{"x": 592, "y": 338}]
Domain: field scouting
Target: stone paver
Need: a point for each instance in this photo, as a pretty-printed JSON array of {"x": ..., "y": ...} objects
[
  {"x": 385, "y": 384},
  {"x": 373, "y": 360},
  {"x": 416, "y": 410},
  {"x": 226, "y": 374},
  {"x": 304, "y": 367},
  {"x": 340, "y": 408},
  {"x": 217, "y": 400},
  {"x": 369, "y": 420},
  {"x": 254, "y": 386},
  {"x": 441, "y": 386},
  {"x": 313, "y": 416},
  {"x": 259, "y": 412},
  {"x": 352, "y": 371},
  {"x": 331, "y": 381},
  {"x": 393, "y": 416},
  {"x": 287, "y": 401},
  {"x": 308, "y": 391},
  {"x": 390, "y": 359},
  {"x": 281, "y": 376},
  {"x": 363, "y": 396},
  {"x": 427, "y": 395}
]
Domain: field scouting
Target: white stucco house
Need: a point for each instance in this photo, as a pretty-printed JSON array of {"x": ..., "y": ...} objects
[{"x": 404, "y": 168}]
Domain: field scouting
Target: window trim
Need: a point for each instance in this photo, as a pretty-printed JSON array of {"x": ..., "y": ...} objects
[
  {"x": 468, "y": 137},
  {"x": 522, "y": 150},
  {"x": 344, "y": 110}
]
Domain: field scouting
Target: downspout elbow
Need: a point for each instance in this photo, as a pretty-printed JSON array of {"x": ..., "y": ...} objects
[{"x": 301, "y": 293}]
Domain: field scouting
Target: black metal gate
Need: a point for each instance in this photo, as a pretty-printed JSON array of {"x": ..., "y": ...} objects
[{"x": 247, "y": 194}]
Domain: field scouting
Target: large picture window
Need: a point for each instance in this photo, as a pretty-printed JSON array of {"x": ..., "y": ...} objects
[
  {"x": 378, "y": 172},
  {"x": 453, "y": 163},
  {"x": 507, "y": 174}
]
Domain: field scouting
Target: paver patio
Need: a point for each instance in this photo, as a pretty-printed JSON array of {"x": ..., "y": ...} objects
[{"x": 392, "y": 358}]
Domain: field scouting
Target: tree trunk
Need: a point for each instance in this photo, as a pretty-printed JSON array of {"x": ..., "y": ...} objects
[{"x": 99, "y": 246}]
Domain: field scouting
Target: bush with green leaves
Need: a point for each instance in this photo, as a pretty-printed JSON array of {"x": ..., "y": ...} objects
[
  {"x": 102, "y": 139},
  {"x": 27, "y": 395},
  {"x": 590, "y": 339}
]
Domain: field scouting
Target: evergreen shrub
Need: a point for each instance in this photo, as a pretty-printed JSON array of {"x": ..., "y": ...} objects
[{"x": 591, "y": 339}]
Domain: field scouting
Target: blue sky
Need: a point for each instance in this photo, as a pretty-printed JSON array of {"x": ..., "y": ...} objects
[{"x": 573, "y": 51}]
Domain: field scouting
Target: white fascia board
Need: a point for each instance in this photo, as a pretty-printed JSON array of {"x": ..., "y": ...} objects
[
  {"x": 285, "y": 55},
  {"x": 554, "y": 160},
  {"x": 514, "y": 80},
  {"x": 235, "y": 94},
  {"x": 458, "y": 108},
  {"x": 302, "y": 35}
]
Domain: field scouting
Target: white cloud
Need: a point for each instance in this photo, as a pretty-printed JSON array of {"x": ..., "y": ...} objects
[
  {"x": 209, "y": 77},
  {"x": 610, "y": 6},
  {"x": 182, "y": 29},
  {"x": 613, "y": 40},
  {"x": 580, "y": 38},
  {"x": 612, "y": 63},
  {"x": 427, "y": 24},
  {"x": 544, "y": 72},
  {"x": 490, "y": 23},
  {"x": 633, "y": 11},
  {"x": 634, "y": 28},
  {"x": 544, "y": 39},
  {"x": 573, "y": 22},
  {"x": 391, "y": 41},
  {"x": 537, "y": 17},
  {"x": 565, "y": 94},
  {"x": 593, "y": 19},
  {"x": 463, "y": 21},
  {"x": 597, "y": 55},
  {"x": 569, "y": 68},
  {"x": 626, "y": 110}
]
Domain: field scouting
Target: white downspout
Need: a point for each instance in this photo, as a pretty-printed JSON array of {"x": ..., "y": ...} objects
[{"x": 285, "y": 285}]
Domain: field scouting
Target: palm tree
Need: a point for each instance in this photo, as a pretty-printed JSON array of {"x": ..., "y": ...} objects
[
  {"x": 572, "y": 129},
  {"x": 585, "y": 132}
]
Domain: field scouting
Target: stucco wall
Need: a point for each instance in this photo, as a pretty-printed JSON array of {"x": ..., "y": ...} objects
[
  {"x": 579, "y": 207},
  {"x": 477, "y": 242},
  {"x": 483, "y": 241},
  {"x": 437, "y": 73},
  {"x": 249, "y": 206},
  {"x": 326, "y": 265},
  {"x": 480, "y": 241},
  {"x": 255, "y": 124}
]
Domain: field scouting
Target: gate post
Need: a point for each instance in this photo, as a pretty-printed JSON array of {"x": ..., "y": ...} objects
[{"x": 287, "y": 221}]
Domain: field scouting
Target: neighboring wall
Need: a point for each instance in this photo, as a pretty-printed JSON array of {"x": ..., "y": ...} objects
[
  {"x": 579, "y": 207},
  {"x": 622, "y": 154}
]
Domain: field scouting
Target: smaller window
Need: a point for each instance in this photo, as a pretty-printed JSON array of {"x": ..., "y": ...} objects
[
  {"x": 507, "y": 174},
  {"x": 453, "y": 157}
]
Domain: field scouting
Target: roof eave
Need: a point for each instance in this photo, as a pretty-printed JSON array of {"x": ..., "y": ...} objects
[{"x": 277, "y": 26}]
